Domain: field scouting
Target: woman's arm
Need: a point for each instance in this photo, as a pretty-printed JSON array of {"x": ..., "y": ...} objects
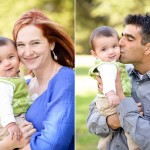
[
  {"x": 58, "y": 123},
  {"x": 8, "y": 144}
]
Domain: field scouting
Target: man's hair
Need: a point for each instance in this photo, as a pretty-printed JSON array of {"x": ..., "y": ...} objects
[
  {"x": 103, "y": 31},
  {"x": 142, "y": 21}
]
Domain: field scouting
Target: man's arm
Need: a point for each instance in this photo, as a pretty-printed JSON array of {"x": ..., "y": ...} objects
[
  {"x": 131, "y": 119},
  {"x": 96, "y": 123},
  {"x": 113, "y": 121},
  {"x": 134, "y": 123}
]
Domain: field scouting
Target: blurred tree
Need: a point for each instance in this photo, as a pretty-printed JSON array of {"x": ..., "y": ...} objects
[
  {"x": 59, "y": 11},
  {"x": 93, "y": 13}
]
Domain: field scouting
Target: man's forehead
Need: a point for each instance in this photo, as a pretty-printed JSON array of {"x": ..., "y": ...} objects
[{"x": 131, "y": 29}]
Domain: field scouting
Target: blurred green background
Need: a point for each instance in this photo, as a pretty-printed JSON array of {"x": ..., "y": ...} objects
[
  {"x": 91, "y": 14},
  {"x": 85, "y": 92},
  {"x": 57, "y": 10}
]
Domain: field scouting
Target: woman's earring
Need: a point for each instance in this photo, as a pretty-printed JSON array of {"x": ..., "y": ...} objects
[{"x": 55, "y": 56}]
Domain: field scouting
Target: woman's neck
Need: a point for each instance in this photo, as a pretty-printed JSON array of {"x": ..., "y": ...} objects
[
  {"x": 45, "y": 73},
  {"x": 39, "y": 83}
]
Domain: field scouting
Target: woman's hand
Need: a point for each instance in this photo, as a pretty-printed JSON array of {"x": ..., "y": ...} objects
[
  {"x": 27, "y": 131},
  {"x": 8, "y": 144},
  {"x": 14, "y": 130}
]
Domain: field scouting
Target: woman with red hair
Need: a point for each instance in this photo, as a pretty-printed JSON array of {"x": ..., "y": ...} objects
[{"x": 47, "y": 50}]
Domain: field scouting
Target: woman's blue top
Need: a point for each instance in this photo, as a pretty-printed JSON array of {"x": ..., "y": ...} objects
[{"x": 52, "y": 114}]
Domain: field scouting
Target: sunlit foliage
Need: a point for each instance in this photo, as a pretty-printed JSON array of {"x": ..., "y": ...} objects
[{"x": 93, "y": 13}]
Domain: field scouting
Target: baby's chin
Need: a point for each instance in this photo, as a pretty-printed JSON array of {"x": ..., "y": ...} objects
[
  {"x": 11, "y": 75},
  {"x": 112, "y": 60}
]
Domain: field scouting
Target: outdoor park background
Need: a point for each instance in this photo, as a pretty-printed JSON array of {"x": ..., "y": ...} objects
[
  {"x": 89, "y": 15},
  {"x": 85, "y": 92}
]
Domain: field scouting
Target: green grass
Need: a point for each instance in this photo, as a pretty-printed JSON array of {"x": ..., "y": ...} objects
[
  {"x": 84, "y": 139},
  {"x": 85, "y": 93}
]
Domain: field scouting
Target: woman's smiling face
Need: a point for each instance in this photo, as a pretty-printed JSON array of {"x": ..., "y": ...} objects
[{"x": 33, "y": 48}]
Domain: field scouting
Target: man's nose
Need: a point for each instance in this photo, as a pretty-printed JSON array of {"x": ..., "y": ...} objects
[{"x": 121, "y": 41}]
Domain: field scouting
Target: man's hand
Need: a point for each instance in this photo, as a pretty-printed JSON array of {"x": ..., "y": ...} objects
[
  {"x": 119, "y": 90},
  {"x": 113, "y": 121},
  {"x": 139, "y": 105},
  {"x": 99, "y": 83}
]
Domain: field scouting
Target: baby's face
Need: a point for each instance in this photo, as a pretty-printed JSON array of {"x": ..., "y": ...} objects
[
  {"x": 9, "y": 61},
  {"x": 107, "y": 48}
]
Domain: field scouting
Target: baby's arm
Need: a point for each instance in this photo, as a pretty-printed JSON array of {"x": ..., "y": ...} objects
[
  {"x": 6, "y": 111},
  {"x": 108, "y": 73},
  {"x": 14, "y": 131}
]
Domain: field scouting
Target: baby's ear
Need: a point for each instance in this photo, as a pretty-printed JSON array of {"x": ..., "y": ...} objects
[
  {"x": 93, "y": 53},
  {"x": 147, "y": 49}
]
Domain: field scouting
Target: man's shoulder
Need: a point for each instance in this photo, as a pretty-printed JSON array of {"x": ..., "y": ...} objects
[{"x": 129, "y": 68}]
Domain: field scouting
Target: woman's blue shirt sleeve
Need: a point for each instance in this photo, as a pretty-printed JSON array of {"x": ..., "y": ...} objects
[{"x": 52, "y": 114}]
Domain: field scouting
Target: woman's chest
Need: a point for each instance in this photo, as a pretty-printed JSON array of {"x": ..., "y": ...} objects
[{"x": 37, "y": 113}]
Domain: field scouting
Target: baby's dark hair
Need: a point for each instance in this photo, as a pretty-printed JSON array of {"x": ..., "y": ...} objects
[
  {"x": 142, "y": 21},
  {"x": 5, "y": 41},
  {"x": 102, "y": 31}
]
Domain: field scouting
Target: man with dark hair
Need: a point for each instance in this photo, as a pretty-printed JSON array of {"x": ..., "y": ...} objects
[{"x": 135, "y": 49}]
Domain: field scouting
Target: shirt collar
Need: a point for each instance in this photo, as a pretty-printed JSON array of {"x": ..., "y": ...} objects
[
  {"x": 136, "y": 73},
  {"x": 148, "y": 73}
]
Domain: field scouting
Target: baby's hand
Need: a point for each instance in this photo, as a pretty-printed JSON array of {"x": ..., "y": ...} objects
[
  {"x": 14, "y": 131},
  {"x": 113, "y": 98}
]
